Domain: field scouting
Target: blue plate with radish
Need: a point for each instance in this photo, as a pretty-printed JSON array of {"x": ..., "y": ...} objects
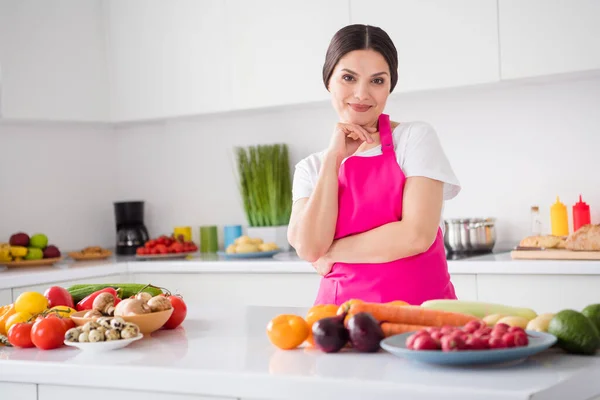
[{"x": 472, "y": 344}]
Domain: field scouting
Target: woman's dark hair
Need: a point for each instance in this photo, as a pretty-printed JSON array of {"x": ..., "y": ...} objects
[{"x": 360, "y": 37}]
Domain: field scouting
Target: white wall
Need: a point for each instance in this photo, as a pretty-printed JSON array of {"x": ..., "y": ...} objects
[
  {"x": 511, "y": 147},
  {"x": 58, "y": 179}
]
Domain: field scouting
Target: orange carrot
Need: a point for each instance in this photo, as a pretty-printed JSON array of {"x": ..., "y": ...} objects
[
  {"x": 411, "y": 315},
  {"x": 390, "y": 328}
]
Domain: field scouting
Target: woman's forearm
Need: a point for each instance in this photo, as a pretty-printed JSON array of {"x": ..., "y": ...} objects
[{"x": 315, "y": 229}]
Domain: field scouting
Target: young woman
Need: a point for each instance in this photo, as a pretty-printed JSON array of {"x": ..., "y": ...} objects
[{"x": 367, "y": 210}]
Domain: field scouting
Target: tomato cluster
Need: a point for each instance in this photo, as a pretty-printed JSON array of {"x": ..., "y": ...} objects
[{"x": 46, "y": 332}]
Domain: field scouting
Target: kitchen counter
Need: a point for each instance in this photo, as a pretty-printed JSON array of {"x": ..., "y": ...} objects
[
  {"x": 224, "y": 352},
  {"x": 285, "y": 263}
]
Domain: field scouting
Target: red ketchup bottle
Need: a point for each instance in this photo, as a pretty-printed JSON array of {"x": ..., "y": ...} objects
[{"x": 581, "y": 214}]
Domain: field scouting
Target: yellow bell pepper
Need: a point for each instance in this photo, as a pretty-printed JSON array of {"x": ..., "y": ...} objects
[
  {"x": 18, "y": 251},
  {"x": 5, "y": 316}
]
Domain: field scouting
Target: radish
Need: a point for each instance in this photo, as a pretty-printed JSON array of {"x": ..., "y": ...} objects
[
  {"x": 509, "y": 339},
  {"x": 437, "y": 337},
  {"x": 476, "y": 343},
  {"x": 452, "y": 343},
  {"x": 473, "y": 326},
  {"x": 501, "y": 327},
  {"x": 521, "y": 339},
  {"x": 514, "y": 329},
  {"x": 485, "y": 331},
  {"x": 446, "y": 329},
  {"x": 425, "y": 342},
  {"x": 496, "y": 343},
  {"x": 410, "y": 341}
]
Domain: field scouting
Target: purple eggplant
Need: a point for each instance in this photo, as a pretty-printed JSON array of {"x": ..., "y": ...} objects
[
  {"x": 365, "y": 332},
  {"x": 330, "y": 334}
]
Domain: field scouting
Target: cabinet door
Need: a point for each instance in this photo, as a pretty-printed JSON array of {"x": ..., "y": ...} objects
[
  {"x": 167, "y": 58},
  {"x": 5, "y": 297},
  {"x": 53, "y": 392},
  {"x": 440, "y": 43},
  {"x": 465, "y": 286},
  {"x": 542, "y": 37},
  {"x": 278, "y": 49},
  {"x": 21, "y": 391},
  {"x": 53, "y": 60},
  {"x": 42, "y": 287}
]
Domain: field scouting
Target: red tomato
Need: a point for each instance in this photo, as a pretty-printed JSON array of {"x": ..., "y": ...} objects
[
  {"x": 68, "y": 323},
  {"x": 48, "y": 333},
  {"x": 58, "y": 296},
  {"x": 179, "y": 312},
  {"x": 19, "y": 335}
]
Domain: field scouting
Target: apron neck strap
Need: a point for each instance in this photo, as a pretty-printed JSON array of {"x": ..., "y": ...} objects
[{"x": 385, "y": 134}]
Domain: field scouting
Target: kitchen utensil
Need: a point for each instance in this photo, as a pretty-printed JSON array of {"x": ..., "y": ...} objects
[
  {"x": 538, "y": 342},
  {"x": 44, "y": 262},
  {"x": 147, "y": 323},
  {"x": 209, "y": 240},
  {"x": 230, "y": 233},
  {"x": 257, "y": 254},
  {"x": 553, "y": 254},
  {"x": 470, "y": 234},
  {"x": 131, "y": 231},
  {"x": 185, "y": 231},
  {"x": 99, "y": 347}
]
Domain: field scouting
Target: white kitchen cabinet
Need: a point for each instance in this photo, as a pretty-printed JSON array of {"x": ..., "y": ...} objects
[
  {"x": 167, "y": 58},
  {"x": 20, "y": 391},
  {"x": 542, "y": 293},
  {"x": 53, "y": 60},
  {"x": 543, "y": 37},
  {"x": 286, "y": 290},
  {"x": 116, "y": 278},
  {"x": 53, "y": 392},
  {"x": 5, "y": 297},
  {"x": 440, "y": 43},
  {"x": 465, "y": 286},
  {"x": 278, "y": 49}
]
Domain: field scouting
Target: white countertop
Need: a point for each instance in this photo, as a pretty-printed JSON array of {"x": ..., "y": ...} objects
[
  {"x": 284, "y": 263},
  {"x": 225, "y": 352}
]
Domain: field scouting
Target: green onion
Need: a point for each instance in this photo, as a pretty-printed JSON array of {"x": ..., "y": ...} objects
[{"x": 265, "y": 184}]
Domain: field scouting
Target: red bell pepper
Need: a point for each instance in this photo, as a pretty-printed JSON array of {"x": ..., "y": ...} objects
[{"x": 87, "y": 302}]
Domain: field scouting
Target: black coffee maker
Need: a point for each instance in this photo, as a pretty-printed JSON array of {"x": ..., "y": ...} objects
[{"x": 131, "y": 232}]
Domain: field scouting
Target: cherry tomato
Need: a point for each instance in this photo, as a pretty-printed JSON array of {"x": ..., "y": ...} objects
[
  {"x": 48, "y": 333},
  {"x": 179, "y": 312},
  {"x": 19, "y": 335}
]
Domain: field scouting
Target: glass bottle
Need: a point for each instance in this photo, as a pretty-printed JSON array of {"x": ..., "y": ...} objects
[{"x": 536, "y": 222}]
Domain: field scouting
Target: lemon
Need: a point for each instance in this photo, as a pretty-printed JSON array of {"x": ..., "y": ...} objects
[
  {"x": 31, "y": 302},
  {"x": 16, "y": 318}
]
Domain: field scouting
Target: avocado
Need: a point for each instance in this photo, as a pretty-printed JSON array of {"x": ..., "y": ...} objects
[
  {"x": 593, "y": 313},
  {"x": 575, "y": 332}
]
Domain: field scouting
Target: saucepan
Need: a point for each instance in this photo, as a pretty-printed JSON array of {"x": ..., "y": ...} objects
[{"x": 470, "y": 234}]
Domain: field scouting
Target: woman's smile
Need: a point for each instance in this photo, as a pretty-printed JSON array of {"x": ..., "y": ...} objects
[{"x": 360, "y": 107}]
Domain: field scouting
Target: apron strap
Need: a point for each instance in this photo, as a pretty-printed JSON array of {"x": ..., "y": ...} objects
[{"x": 385, "y": 134}]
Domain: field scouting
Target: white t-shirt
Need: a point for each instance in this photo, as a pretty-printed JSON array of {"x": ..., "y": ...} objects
[{"x": 418, "y": 151}]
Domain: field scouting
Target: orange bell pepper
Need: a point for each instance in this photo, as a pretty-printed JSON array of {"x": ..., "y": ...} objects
[{"x": 5, "y": 314}]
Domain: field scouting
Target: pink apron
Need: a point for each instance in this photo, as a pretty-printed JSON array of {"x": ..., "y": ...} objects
[{"x": 370, "y": 195}]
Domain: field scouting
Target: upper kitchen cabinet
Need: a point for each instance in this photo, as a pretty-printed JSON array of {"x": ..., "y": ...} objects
[
  {"x": 278, "y": 49},
  {"x": 167, "y": 58},
  {"x": 543, "y": 37},
  {"x": 440, "y": 43},
  {"x": 52, "y": 60}
]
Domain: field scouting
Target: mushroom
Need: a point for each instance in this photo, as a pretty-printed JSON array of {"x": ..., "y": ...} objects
[
  {"x": 129, "y": 307},
  {"x": 143, "y": 296},
  {"x": 92, "y": 314},
  {"x": 104, "y": 303},
  {"x": 159, "y": 303}
]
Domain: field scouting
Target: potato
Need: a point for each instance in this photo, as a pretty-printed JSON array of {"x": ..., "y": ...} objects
[
  {"x": 257, "y": 241},
  {"x": 267, "y": 246},
  {"x": 230, "y": 249},
  {"x": 521, "y": 322},
  {"x": 242, "y": 240},
  {"x": 246, "y": 248},
  {"x": 492, "y": 319}
]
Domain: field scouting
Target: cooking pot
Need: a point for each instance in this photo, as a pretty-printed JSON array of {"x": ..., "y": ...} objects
[{"x": 470, "y": 235}]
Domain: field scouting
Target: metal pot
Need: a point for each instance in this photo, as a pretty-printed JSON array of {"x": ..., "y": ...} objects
[{"x": 470, "y": 235}]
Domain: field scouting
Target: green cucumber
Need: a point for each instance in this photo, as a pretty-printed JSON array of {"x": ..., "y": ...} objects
[{"x": 80, "y": 291}]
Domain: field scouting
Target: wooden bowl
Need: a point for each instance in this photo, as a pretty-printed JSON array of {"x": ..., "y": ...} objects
[{"x": 147, "y": 323}]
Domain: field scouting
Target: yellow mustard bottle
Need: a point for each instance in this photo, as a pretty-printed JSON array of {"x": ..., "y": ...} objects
[{"x": 559, "y": 219}]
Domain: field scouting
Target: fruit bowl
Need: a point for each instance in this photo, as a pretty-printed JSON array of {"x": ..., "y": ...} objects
[
  {"x": 538, "y": 342},
  {"x": 147, "y": 323},
  {"x": 32, "y": 263}
]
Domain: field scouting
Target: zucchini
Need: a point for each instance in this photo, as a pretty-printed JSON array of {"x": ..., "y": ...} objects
[
  {"x": 126, "y": 290},
  {"x": 479, "y": 309}
]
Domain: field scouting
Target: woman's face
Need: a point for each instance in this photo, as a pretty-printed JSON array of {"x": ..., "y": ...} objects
[{"x": 360, "y": 86}]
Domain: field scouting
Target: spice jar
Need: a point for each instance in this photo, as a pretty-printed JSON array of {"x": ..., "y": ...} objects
[{"x": 581, "y": 214}]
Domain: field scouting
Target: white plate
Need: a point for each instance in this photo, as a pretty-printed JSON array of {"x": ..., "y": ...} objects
[{"x": 104, "y": 346}]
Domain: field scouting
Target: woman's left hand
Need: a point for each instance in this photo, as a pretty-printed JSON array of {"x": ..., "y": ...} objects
[{"x": 323, "y": 265}]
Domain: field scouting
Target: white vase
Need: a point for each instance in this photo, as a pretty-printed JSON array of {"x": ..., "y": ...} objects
[{"x": 275, "y": 234}]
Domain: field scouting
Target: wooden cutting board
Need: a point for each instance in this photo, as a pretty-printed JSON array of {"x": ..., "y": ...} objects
[{"x": 553, "y": 254}]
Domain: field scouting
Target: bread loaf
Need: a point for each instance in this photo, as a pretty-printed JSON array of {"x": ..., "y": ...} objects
[
  {"x": 586, "y": 238},
  {"x": 545, "y": 241}
]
